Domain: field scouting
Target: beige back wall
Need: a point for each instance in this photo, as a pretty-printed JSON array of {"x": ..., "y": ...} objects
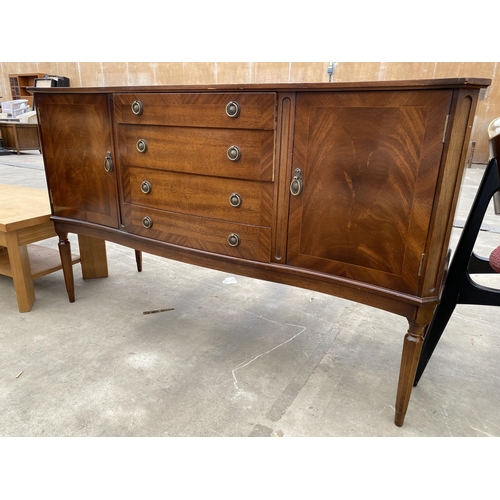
[{"x": 99, "y": 74}]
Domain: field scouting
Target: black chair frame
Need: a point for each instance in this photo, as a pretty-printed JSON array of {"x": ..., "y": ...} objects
[{"x": 458, "y": 287}]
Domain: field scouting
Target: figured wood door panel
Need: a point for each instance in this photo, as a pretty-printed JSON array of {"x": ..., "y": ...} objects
[
  {"x": 369, "y": 163},
  {"x": 76, "y": 131}
]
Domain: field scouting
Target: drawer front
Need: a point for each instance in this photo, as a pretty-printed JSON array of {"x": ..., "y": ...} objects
[
  {"x": 252, "y": 110},
  {"x": 249, "y": 242},
  {"x": 241, "y": 154},
  {"x": 242, "y": 201}
]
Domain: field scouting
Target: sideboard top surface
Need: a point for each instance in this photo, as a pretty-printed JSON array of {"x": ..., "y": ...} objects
[{"x": 285, "y": 87}]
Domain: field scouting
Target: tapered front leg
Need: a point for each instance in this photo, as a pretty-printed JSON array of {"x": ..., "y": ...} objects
[
  {"x": 67, "y": 265},
  {"x": 138, "y": 260},
  {"x": 412, "y": 347}
]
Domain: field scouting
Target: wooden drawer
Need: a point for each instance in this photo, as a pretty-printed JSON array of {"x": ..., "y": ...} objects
[
  {"x": 203, "y": 151},
  {"x": 200, "y": 233},
  {"x": 199, "y": 195},
  {"x": 257, "y": 110}
]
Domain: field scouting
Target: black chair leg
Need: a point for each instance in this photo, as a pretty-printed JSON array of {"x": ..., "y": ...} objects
[
  {"x": 458, "y": 288},
  {"x": 436, "y": 328}
]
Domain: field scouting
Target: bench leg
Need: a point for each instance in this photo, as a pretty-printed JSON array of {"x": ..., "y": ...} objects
[
  {"x": 21, "y": 273},
  {"x": 93, "y": 257}
]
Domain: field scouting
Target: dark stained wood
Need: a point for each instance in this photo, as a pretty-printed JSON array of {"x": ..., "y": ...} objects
[
  {"x": 199, "y": 150},
  {"x": 380, "y": 171},
  {"x": 66, "y": 258},
  {"x": 447, "y": 191},
  {"x": 412, "y": 347},
  {"x": 460, "y": 82},
  {"x": 382, "y": 298},
  {"x": 138, "y": 260},
  {"x": 284, "y": 146},
  {"x": 369, "y": 165},
  {"x": 201, "y": 233},
  {"x": 198, "y": 110},
  {"x": 76, "y": 136},
  {"x": 200, "y": 195}
]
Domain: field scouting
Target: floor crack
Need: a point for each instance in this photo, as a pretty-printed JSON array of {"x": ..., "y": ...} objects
[{"x": 245, "y": 364}]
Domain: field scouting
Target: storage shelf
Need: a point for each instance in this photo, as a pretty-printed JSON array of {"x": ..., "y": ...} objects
[
  {"x": 43, "y": 261},
  {"x": 20, "y": 83}
]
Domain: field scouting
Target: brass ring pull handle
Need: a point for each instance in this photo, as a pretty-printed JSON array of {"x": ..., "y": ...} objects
[
  {"x": 146, "y": 187},
  {"x": 232, "y": 109},
  {"x": 234, "y": 153},
  {"x": 108, "y": 162},
  {"x": 142, "y": 146},
  {"x": 235, "y": 200},
  {"x": 147, "y": 222},
  {"x": 137, "y": 107},
  {"x": 296, "y": 186},
  {"x": 233, "y": 240}
]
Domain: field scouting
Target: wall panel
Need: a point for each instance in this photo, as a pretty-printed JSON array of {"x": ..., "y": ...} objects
[{"x": 90, "y": 74}]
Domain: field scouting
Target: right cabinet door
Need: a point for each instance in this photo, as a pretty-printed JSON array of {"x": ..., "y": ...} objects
[{"x": 369, "y": 163}]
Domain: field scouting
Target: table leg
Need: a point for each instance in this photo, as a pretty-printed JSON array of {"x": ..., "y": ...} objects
[
  {"x": 412, "y": 347},
  {"x": 93, "y": 257},
  {"x": 21, "y": 272}
]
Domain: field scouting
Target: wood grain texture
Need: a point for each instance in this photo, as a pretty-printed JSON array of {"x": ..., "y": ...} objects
[
  {"x": 199, "y": 150},
  {"x": 20, "y": 136},
  {"x": 93, "y": 257},
  {"x": 378, "y": 169},
  {"x": 199, "y": 195},
  {"x": 447, "y": 189},
  {"x": 238, "y": 88},
  {"x": 284, "y": 150},
  {"x": 369, "y": 163},
  {"x": 412, "y": 347},
  {"x": 200, "y": 233},
  {"x": 383, "y": 298},
  {"x": 20, "y": 272},
  {"x": 76, "y": 135},
  {"x": 42, "y": 261},
  {"x": 23, "y": 207},
  {"x": 198, "y": 110},
  {"x": 66, "y": 256}
]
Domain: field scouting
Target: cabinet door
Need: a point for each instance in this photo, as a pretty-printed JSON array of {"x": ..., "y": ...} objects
[
  {"x": 76, "y": 137},
  {"x": 370, "y": 163}
]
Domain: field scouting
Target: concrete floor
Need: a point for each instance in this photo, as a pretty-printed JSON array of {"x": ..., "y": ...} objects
[{"x": 235, "y": 356}]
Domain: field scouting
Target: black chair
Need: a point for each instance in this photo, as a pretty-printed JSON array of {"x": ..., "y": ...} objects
[{"x": 458, "y": 287}]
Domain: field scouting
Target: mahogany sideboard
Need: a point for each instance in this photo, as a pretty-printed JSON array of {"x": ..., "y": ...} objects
[{"x": 344, "y": 188}]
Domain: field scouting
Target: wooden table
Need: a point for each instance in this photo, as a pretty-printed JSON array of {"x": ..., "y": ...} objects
[{"x": 24, "y": 219}]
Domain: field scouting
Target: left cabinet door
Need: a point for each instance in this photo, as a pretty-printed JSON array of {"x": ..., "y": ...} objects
[{"x": 76, "y": 139}]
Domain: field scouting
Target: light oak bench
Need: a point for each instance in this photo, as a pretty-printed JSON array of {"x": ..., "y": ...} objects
[{"x": 25, "y": 219}]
